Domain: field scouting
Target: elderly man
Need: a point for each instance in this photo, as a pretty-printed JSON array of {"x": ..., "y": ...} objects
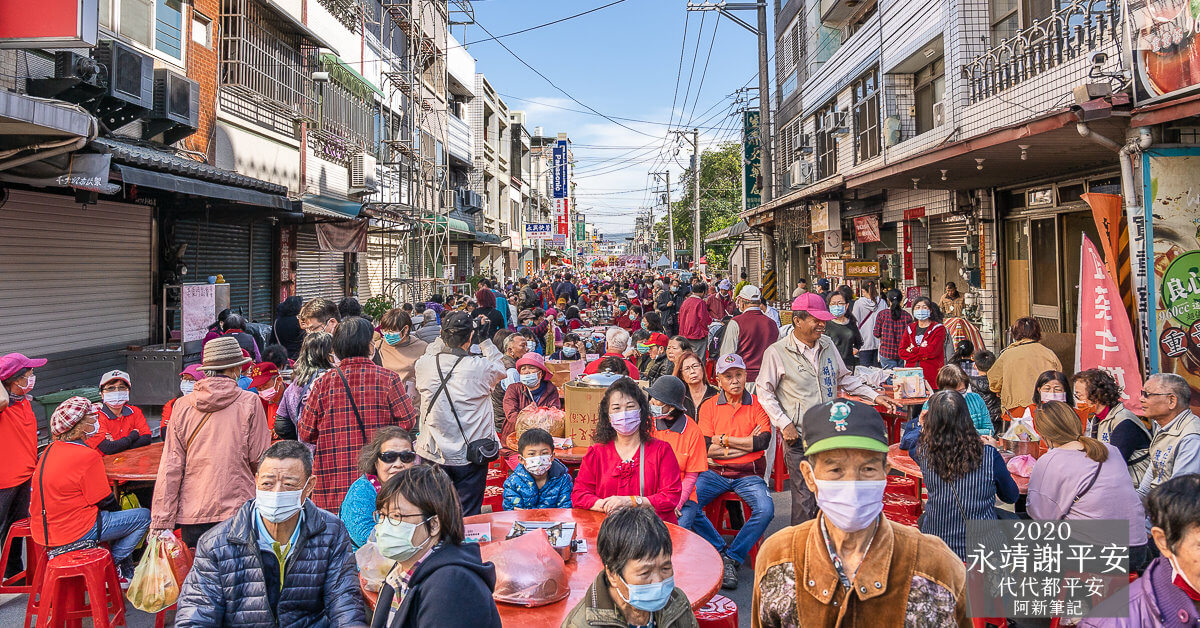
[
  {"x": 799, "y": 371},
  {"x": 720, "y": 303},
  {"x": 280, "y": 560},
  {"x": 736, "y": 431},
  {"x": 515, "y": 347},
  {"x": 751, "y": 332},
  {"x": 1175, "y": 444},
  {"x": 615, "y": 345},
  {"x": 850, "y": 566},
  {"x": 694, "y": 320},
  {"x": 657, "y": 363}
]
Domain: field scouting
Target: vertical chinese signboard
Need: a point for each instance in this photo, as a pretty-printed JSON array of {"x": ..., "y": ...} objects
[
  {"x": 1170, "y": 247},
  {"x": 562, "y": 210},
  {"x": 559, "y": 170},
  {"x": 751, "y": 165},
  {"x": 1104, "y": 329}
]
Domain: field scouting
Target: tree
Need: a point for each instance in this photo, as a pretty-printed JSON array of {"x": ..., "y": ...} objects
[{"x": 720, "y": 202}]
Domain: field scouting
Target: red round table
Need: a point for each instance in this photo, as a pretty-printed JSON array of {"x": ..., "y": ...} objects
[
  {"x": 902, "y": 462},
  {"x": 134, "y": 465},
  {"x": 697, "y": 564}
]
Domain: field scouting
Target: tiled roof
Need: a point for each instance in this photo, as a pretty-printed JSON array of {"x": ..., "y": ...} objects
[{"x": 162, "y": 161}]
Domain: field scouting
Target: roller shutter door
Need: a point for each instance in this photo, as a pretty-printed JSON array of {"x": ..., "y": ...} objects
[
  {"x": 948, "y": 235},
  {"x": 754, "y": 265},
  {"x": 318, "y": 273},
  {"x": 74, "y": 284},
  {"x": 241, "y": 252}
]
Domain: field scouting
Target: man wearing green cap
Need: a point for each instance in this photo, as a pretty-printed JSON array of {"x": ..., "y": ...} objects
[{"x": 850, "y": 565}]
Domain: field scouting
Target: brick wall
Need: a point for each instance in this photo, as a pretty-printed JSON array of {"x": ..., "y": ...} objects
[{"x": 202, "y": 67}]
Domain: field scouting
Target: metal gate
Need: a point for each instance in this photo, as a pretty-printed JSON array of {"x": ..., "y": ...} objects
[
  {"x": 319, "y": 273},
  {"x": 243, "y": 253}
]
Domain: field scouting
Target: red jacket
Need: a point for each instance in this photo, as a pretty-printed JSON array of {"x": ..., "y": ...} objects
[
  {"x": 603, "y": 474},
  {"x": 929, "y": 354},
  {"x": 593, "y": 367},
  {"x": 694, "y": 318},
  {"x": 719, "y": 307}
]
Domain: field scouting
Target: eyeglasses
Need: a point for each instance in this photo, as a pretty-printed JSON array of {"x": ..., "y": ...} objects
[
  {"x": 399, "y": 519},
  {"x": 1143, "y": 394},
  {"x": 388, "y": 457}
]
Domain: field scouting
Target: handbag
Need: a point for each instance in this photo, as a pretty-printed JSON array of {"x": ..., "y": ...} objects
[{"x": 481, "y": 451}]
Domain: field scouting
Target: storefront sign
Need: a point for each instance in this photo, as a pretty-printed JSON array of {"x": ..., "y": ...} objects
[
  {"x": 835, "y": 267},
  {"x": 1104, "y": 330},
  {"x": 48, "y": 23},
  {"x": 199, "y": 305},
  {"x": 1043, "y": 197},
  {"x": 908, "y": 255},
  {"x": 1164, "y": 46},
  {"x": 914, "y": 213},
  {"x": 826, "y": 216},
  {"x": 751, "y": 167},
  {"x": 833, "y": 240},
  {"x": 529, "y": 268},
  {"x": 562, "y": 215},
  {"x": 539, "y": 231},
  {"x": 559, "y": 170},
  {"x": 866, "y": 228},
  {"x": 862, "y": 269}
]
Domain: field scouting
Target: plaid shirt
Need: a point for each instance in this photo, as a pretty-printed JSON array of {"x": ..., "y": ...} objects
[
  {"x": 328, "y": 422},
  {"x": 890, "y": 331}
]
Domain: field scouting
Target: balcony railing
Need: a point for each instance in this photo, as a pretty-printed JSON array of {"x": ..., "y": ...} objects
[{"x": 1077, "y": 27}]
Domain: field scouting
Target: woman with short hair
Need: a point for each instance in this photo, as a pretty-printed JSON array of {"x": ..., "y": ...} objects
[
  {"x": 690, "y": 369},
  {"x": 388, "y": 453},
  {"x": 1098, "y": 404},
  {"x": 1018, "y": 366},
  {"x": 438, "y": 580}
]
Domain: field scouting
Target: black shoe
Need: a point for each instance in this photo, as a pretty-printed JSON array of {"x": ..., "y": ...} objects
[{"x": 729, "y": 578}]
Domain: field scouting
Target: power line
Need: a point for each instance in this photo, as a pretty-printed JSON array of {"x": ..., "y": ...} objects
[
  {"x": 534, "y": 28},
  {"x": 704, "y": 73},
  {"x": 546, "y": 104}
]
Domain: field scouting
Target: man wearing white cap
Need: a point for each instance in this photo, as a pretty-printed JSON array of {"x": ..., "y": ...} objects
[
  {"x": 798, "y": 372},
  {"x": 749, "y": 333}
]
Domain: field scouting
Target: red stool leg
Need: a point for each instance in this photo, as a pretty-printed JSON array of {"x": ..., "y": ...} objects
[{"x": 31, "y": 604}]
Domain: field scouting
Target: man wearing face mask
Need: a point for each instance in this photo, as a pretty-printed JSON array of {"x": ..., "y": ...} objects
[
  {"x": 850, "y": 565},
  {"x": 637, "y": 585},
  {"x": 279, "y": 560},
  {"x": 122, "y": 426}
]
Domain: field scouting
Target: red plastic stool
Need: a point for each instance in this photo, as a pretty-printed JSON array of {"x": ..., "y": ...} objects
[
  {"x": 779, "y": 471},
  {"x": 902, "y": 485},
  {"x": 719, "y": 612},
  {"x": 984, "y": 622},
  {"x": 718, "y": 514},
  {"x": 901, "y": 504},
  {"x": 901, "y": 518},
  {"x": 33, "y": 556},
  {"x": 495, "y": 477},
  {"x": 68, "y": 577},
  {"x": 494, "y": 496}
]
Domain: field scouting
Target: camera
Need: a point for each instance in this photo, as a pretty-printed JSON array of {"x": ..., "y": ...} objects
[{"x": 1098, "y": 59}]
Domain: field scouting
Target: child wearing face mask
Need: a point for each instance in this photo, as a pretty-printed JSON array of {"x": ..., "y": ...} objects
[
  {"x": 539, "y": 481},
  {"x": 187, "y": 381},
  {"x": 265, "y": 378},
  {"x": 122, "y": 426},
  {"x": 572, "y": 349}
]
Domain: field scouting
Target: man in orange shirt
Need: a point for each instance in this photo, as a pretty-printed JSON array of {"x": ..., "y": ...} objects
[
  {"x": 18, "y": 445},
  {"x": 737, "y": 432},
  {"x": 122, "y": 426},
  {"x": 71, "y": 503}
]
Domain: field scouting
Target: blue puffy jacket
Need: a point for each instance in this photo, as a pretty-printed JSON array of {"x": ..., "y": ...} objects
[
  {"x": 521, "y": 491},
  {"x": 226, "y": 586}
]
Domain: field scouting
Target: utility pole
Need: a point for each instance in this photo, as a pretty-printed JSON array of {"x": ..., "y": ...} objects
[
  {"x": 696, "y": 201},
  {"x": 764, "y": 87},
  {"x": 670, "y": 220}
]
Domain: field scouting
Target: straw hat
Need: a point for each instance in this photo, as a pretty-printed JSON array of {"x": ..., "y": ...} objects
[{"x": 223, "y": 353}]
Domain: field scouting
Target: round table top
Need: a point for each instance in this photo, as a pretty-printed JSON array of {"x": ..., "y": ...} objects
[
  {"x": 697, "y": 564},
  {"x": 902, "y": 462},
  {"x": 572, "y": 457},
  {"x": 134, "y": 465}
]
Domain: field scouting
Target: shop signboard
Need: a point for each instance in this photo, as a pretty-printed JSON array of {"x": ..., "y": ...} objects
[
  {"x": 835, "y": 267},
  {"x": 48, "y": 24},
  {"x": 528, "y": 268},
  {"x": 1104, "y": 327},
  {"x": 1171, "y": 244},
  {"x": 539, "y": 231},
  {"x": 559, "y": 170},
  {"x": 1164, "y": 47},
  {"x": 826, "y": 216},
  {"x": 751, "y": 166},
  {"x": 833, "y": 240},
  {"x": 860, "y": 268},
  {"x": 562, "y": 214},
  {"x": 866, "y": 228}
]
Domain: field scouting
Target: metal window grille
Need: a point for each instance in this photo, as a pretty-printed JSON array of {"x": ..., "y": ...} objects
[{"x": 265, "y": 72}]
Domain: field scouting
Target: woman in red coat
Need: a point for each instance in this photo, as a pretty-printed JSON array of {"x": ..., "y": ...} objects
[
  {"x": 533, "y": 389},
  {"x": 924, "y": 342},
  {"x": 626, "y": 467}
]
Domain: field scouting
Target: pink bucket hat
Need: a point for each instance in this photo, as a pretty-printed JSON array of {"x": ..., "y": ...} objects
[
  {"x": 534, "y": 359},
  {"x": 194, "y": 371},
  {"x": 14, "y": 363}
]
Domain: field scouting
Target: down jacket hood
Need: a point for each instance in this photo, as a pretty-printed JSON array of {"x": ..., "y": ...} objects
[
  {"x": 466, "y": 555},
  {"x": 214, "y": 394}
]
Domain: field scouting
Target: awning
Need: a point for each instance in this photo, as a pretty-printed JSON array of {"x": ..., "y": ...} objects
[
  {"x": 329, "y": 207},
  {"x": 1168, "y": 111},
  {"x": 185, "y": 185},
  {"x": 345, "y": 75},
  {"x": 736, "y": 230},
  {"x": 296, "y": 25},
  {"x": 27, "y": 120},
  {"x": 456, "y": 225},
  {"x": 484, "y": 237},
  {"x": 171, "y": 163}
]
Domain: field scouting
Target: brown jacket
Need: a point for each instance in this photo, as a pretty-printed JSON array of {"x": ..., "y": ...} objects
[
  {"x": 906, "y": 579},
  {"x": 598, "y": 609},
  {"x": 1016, "y": 371},
  {"x": 208, "y": 480}
]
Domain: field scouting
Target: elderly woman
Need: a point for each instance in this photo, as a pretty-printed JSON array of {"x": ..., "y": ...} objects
[
  {"x": 187, "y": 381},
  {"x": 388, "y": 453},
  {"x": 122, "y": 426},
  {"x": 627, "y": 466},
  {"x": 18, "y": 442},
  {"x": 1018, "y": 366},
  {"x": 316, "y": 357},
  {"x": 71, "y": 502},
  {"x": 438, "y": 580},
  {"x": 533, "y": 388},
  {"x": 1098, "y": 404},
  {"x": 637, "y": 585},
  {"x": 671, "y": 424},
  {"x": 690, "y": 369}
]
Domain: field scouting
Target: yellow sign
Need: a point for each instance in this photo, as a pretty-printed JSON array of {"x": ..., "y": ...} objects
[
  {"x": 862, "y": 269},
  {"x": 528, "y": 268}
]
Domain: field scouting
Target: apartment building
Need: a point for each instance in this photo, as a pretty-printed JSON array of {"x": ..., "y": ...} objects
[{"x": 491, "y": 178}]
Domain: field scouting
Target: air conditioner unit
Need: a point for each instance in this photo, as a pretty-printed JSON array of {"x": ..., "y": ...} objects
[
  {"x": 804, "y": 144},
  {"x": 939, "y": 113},
  {"x": 448, "y": 199},
  {"x": 176, "y": 113},
  {"x": 362, "y": 174},
  {"x": 836, "y": 122},
  {"x": 76, "y": 79},
  {"x": 130, "y": 83}
]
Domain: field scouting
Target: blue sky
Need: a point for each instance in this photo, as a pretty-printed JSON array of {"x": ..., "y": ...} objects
[{"x": 621, "y": 61}]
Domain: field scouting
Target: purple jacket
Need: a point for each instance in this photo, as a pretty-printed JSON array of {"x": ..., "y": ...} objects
[{"x": 1154, "y": 601}]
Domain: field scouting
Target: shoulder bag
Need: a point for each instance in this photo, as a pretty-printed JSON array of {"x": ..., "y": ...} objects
[
  {"x": 1083, "y": 491},
  {"x": 362, "y": 428},
  {"x": 481, "y": 451}
]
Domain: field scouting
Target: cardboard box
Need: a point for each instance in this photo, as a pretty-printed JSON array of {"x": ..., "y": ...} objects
[
  {"x": 582, "y": 408},
  {"x": 564, "y": 371}
]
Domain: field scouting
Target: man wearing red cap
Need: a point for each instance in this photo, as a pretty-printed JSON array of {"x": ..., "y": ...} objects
[
  {"x": 18, "y": 444},
  {"x": 657, "y": 364}
]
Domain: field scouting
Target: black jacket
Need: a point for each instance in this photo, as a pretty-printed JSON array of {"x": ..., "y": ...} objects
[
  {"x": 452, "y": 587},
  {"x": 287, "y": 332},
  {"x": 227, "y": 585}
]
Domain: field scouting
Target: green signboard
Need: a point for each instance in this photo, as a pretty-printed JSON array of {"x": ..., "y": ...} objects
[{"x": 751, "y": 165}]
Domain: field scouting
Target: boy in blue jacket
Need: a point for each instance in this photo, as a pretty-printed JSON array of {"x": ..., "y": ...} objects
[{"x": 540, "y": 481}]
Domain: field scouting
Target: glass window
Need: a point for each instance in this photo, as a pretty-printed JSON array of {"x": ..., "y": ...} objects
[
  {"x": 137, "y": 20},
  {"x": 929, "y": 90},
  {"x": 789, "y": 84},
  {"x": 866, "y": 116},
  {"x": 168, "y": 31},
  {"x": 106, "y": 13},
  {"x": 826, "y": 148},
  {"x": 1044, "y": 248},
  {"x": 201, "y": 29}
]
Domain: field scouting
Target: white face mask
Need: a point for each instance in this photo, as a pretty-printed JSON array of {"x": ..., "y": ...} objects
[
  {"x": 538, "y": 465},
  {"x": 657, "y": 410},
  {"x": 1054, "y": 396},
  {"x": 116, "y": 398},
  {"x": 277, "y": 506},
  {"x": 850, "y": 505},
  {"x": 186, "y": 386}
]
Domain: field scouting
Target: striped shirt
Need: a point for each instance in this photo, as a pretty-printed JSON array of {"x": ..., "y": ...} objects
[{"x": 971, "y": 497}]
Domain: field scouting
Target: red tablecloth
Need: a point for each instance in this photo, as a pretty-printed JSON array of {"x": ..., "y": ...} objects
[
  {"x": 902, "y": 462},
  {"x": 697, "y": 564},
  {"x": 134, "y": 465}
]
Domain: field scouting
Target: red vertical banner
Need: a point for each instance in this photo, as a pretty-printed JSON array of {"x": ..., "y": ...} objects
[
  {"x": 908, "y": 255},
  {"x": 563, "y": 215},
  {"x": 1105, "y": 338}
]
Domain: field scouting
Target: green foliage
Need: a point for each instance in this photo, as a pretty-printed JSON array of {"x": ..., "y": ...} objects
[
  {"x": 377, "y": 306},
  {"x": 720, "y": 202}
]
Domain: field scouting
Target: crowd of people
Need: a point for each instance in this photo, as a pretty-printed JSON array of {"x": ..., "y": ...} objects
[{"x": 288, "y": 451}]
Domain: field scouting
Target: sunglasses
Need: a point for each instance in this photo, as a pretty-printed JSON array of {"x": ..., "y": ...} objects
[{"x": 388, "y": 457}]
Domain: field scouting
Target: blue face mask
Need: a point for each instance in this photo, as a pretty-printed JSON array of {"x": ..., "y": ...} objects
[
  {"x": 562, "y": 319},
  {"x": 837, "y": 310},
  {"x": 531, "y": 379},
  {"x": 392, "y": 337},
  {"x": 622, "y": 307},
  {"x": 569, "y": 352},
  {"x": 921, "y": 314},
  {"x": 651, "y": 597}
]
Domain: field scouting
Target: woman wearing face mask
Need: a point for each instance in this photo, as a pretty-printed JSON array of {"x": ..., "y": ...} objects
[
  {"x": 573, "y": 322},
  {"x": 671, "y": 424},
  {"x": 389, "y": 452},
  {"x": 924, "y": 342},
  {"x": 843, "y": 329},
  {"x": 122, "y": 426},
  {"x": 690, "y": 369},
  {"x": 18, "y": 443},
  {"x": 627, "y": 466},
  {"x": 71, "y": 500},
  {"x": 1049, "y": 386},
  {"x": 395, "y": 345},
  {"x": 316, "y": 357},
  {"x": 572, "y": 349},
  {"x": 1105, "y": 418},
  {"x": 637, "y": 585},
  {"x": 625, "y": 318},
  {"x": 438, "y": 580},
  {"x": 265, "y": 378},
  {"x": 187, "y": 381},
  {"x": 534, "y": 388},
  {"x": 963, "y": 475}
]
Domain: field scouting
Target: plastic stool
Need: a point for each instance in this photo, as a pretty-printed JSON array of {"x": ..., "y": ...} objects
[
  {"x": 719, "y": 612},
  {"x": 718, "y": 513},
  {"x": 902, "y": 485},
  {"x": 33, "y": 556},
  {"x": 495, "y": 477},
  {"x": 68, "y": 577},
  {"x": 779, "y": 471},
  {"x": 494, "y": 496},
  {"x": 901, "y": 504}
]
